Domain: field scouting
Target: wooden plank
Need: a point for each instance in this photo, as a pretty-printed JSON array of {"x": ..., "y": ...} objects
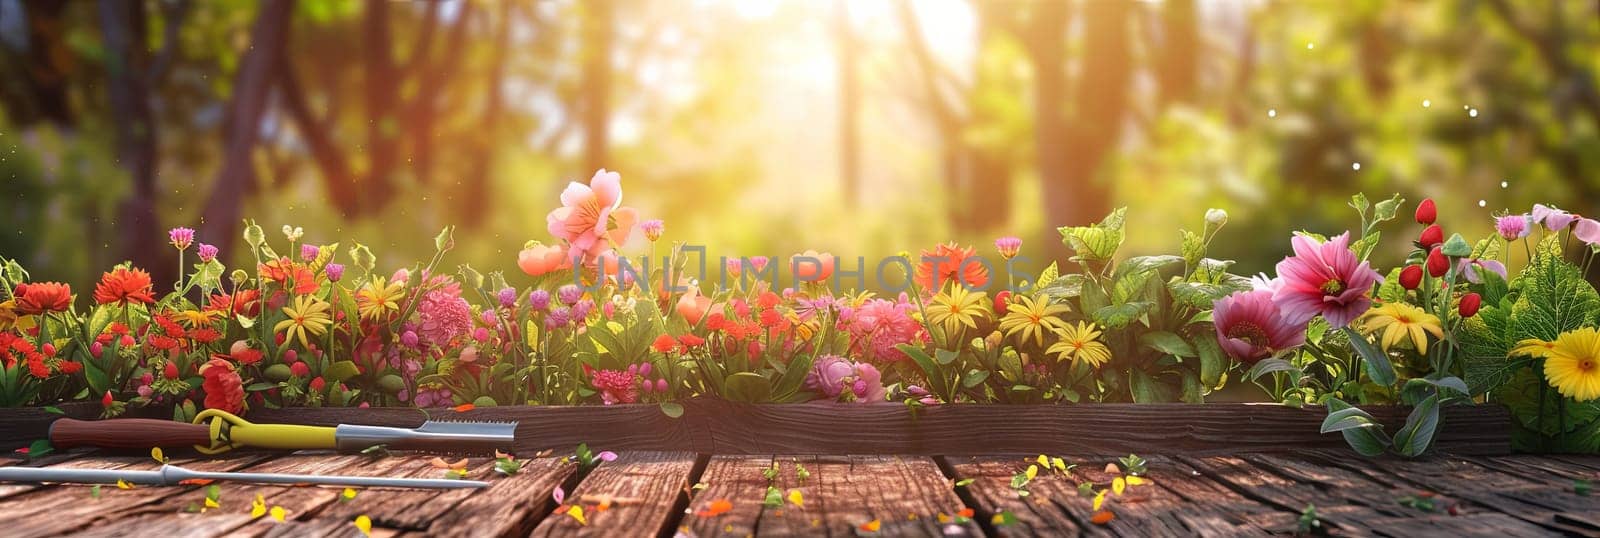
[
  {"x": 1342, "y": 499},
  {"x": 740, "y": 480},
  {"x": 718, "y": 427},
  {"x": 1484, "y": 489},
  {"x": 1489, "y": 524},
  {"x": 1214, "y": 509},
  {"x": 512, "y": 506},
  {"x": 645, "y": 490},
  {"x": 66, "y": 508},
  {"x": 905, "y": 495},
  {"x": 236, "y": 499}
]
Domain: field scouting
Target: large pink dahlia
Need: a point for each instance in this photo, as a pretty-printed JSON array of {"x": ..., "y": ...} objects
[
  {"x": 1250, "y": 327},
  {"x": 1324, "y": 278}
]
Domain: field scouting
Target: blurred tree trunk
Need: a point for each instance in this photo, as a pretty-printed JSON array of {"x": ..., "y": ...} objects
[
  {"x": 849, "y": 105},
  {"x": 1180, "y": 51},
  {"x": 1071, "y": 151},
  {"x": 382, "y": 85},
  {"x": 314, "y": 132},
  {"x": 989, "y": 169},
  {"x": 122, "y": 24},
  {"x": 597, "y": 29},
  {"x": 41, "y": 92},
  {"x": 948, "y": 122},
  {"x": 252, "y": 85},
  {"x": 432, "y": 74},
  {"x": 476, "y": 184}
]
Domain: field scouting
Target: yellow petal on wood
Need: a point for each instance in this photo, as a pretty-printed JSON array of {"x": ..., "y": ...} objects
[
  {"x": 1118, "y": 485},
  {"x": 158, "y": 455},
  {"x": 1099, "y": 499},
  {"x": 577, "y": 513},
  {"x": 212, "y": 503},
  {"x": 258, "y": 507},
  {"x": 796, "y": 498},
  {"x": 123, "y": 485},
  {"x": 1033, "y": 470},
  {"x": 1137, "y": 481},
  {"x": 348, "y": 494},
  {"x": 278, "y": 513},
  {"x": 364, "y": 524}
]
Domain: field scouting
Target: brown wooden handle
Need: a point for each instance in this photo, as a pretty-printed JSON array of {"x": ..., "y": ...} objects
[{"x": 142, "y": 433}]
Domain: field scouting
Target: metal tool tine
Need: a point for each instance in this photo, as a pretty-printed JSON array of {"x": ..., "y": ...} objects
[{"x": 451, "y": 427}]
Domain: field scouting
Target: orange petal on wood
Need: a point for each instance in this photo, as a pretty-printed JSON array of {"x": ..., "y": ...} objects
[
  {"x": 1102, "y": 517},
  {"x": 464, "y": 408}
]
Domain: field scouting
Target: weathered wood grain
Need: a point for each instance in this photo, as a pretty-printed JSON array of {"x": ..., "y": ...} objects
[
  {"x": 903, "y": 494},
  {"x": 718, "y": 427},
  {"x": 1342, "y": 500},
  {"x": 66, "y": 508},
  {"x": 741, "y": 481},
  {"x": 512, "y": 506},
  {"x": 645, "y": 491}
]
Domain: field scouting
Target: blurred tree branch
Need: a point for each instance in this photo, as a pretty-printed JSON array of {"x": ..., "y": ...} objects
[{"x": 122, "y": 26}]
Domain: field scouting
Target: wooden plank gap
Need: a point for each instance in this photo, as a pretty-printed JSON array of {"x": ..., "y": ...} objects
[
  {"x": 983, "y": 517},
  {"x": 680, "y": 506}
]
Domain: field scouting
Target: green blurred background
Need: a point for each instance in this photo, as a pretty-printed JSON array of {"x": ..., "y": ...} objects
[{"x": 768, "y": 127}]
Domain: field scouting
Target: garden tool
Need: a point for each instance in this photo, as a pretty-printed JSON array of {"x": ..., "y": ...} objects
[
  {"x": 171, "y": 475},
  {"x": 215, "y": 431}
]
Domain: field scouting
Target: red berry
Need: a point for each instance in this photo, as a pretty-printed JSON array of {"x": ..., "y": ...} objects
[
  {"x": 1438, "y": 265},
  {"x": 107, "y": 400},
  {"x": 1426, "y": 212},
  {"x": 1432, "y": 236},
  {"x": 126, "y": 340},
  {"x": 1411, "y": 277},
  {"x": 171, "y": 371},
  {"x": 1469, "y": 305},
  {"x": 299, "y": 369},
  {"x": 317, "y": 384}
]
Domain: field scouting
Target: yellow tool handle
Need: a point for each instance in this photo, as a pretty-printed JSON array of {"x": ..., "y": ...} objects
[{"x": 229, "y": 431}]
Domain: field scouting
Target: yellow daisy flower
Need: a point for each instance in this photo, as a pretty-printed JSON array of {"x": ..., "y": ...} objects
[
  {"x": 1573, "y": 365},
  {"x": 956, "y": 307},
  {"x": 379, "y": 298},
  {"x": 1027, "y": 319},
  {"x": 1533, "y": 347},
  {"x": 307, "y": 315},
  {"x": 1400, "y": 320},
  {"x": 1080, "y": 343}
]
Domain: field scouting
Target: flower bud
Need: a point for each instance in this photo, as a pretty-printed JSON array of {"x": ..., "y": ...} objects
[
  {"x": 299, "y": 369},
  {"x": 1438, "y": 265},
  {"x": 171, "y": 371},
  {"x": 1469, "y": 305},
  {"x": 317, "y": 384},
  {"x": 1216, "y": 217},
  {"x": 1411, "y": 277},
  {"x": 1427, "y": 212},
  {"x": 1432, "y": 236},
  {"x": 107, "y": 400}
]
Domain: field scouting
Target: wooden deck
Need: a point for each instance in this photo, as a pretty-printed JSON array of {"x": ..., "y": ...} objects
[{"x": 668, "y": 493}]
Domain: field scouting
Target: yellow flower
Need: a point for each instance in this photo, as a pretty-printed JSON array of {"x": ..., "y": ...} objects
[
  {"x": 1399, "y": 320},
  {"x": 1028, "y": 319},
  {"x": 10, "y": 318},
  {"x": 1573, "y": 365},
  {"x": 954, "y": 307},
  {"x": 1533, "y": 347},
  {"x": 307, "y": 314},
  {"x": 378, "y": 298},
  {"x": 198, "y": 318},
  {"x": 1081, "y": 343}
]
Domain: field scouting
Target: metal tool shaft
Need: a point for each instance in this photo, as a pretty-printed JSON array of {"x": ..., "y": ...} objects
[{"x": 169, "y": 475}]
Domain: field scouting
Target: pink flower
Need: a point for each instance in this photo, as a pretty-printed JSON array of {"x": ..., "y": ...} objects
[
  {"x": 309, "y": 252},
  {"x": 652, "y": 229},
  {"x": 442, "y": 314},
  {"x": 812, "y": 266},
  {"x": 1324, "y": 279},
  {"x": 1008, "y": 246},
  {"x": 736, "y": 265},
  {"x": 878, "y": 325},
  {"x": 1469, "y": 268},
  {"x": 1552, "y": 218},
  {"x": 1587, "y": 230},
  {"x": 537, "y": 259},
  {"x": 207, "y": 252},
  {"x": 1250, "y": 327},
  {"x": 1512, "y": 227},
  {"x": 616, "y": 386},
  {"x": 586, "y": 213},
  {"x": 180, "y": 237},
  {"x": 841, "y": 379}
]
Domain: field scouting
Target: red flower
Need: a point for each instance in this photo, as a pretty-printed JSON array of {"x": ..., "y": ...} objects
[
  {"x": 299, "y": 369},
  {"x": 246, "y": 302},
  {"x": 664, "y": 344},
  {"x": 205, "y": 335},
  {"x": 69, "y": 367},
  {"x": 715, "y": 321},
  {"x": 224, "y": 389},
  {"x": 124, "y": 286},
  {"x": 767, "y": 300},
  {"x": 37, "y": 367},
  {"x": 1426, "y": 212},
  {"x": 1432, "y": 236},
  {"x": 948, "y": 263},
  {"x": 771, "y": 318},
  {"x": 247, "y": 356},
  {"x": 107, "y": 400},
  {"x": 1469, "y": 305},
  {"x": 171, "y": 370},
  {"x": 689, "y": 340},
  {"x": 1002, "y": 300},
  {"x": 1438, "y": 265},
  {"x": 283, "y": 270},
  {"x": 1411, "y": 277},
  {"x": 43, "y": 297},
  {"x": 317, "y": 384}
]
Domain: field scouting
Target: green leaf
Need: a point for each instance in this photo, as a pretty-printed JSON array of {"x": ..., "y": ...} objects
[
  {"x": 1484, "y": 343},
  {"x": 340, "y": 371},
  {"x": 1193, "y": 247},
  {"x": 1386, "y": 209},
  {"x": 1367, "y": 441},
  {"x": 1097, "y": 242},
  {"x": 1119, "y": 316},
  {"x": 445, "y": 240},
  {"x": 1390, "y": 291},
  {"x": 54, "y": 409},
  {"x": 1421, "y": 426},
  {"x": 1168, "y": 343},
  {"x": 1213, "y": 362},
  {"x": 1047, "y": 276},
  {"x": 748, "y": 387},
  {"x": 1271, "y": 365},
  {"x": 1201, "y": 295},
  {"x": 672, "y": 409},
  {"x": 1375, "y": 360},
  {"x": 1146, "y": 389},
  {"x": 39, "y": 448},
  {"x": 1555, "y": 298},
  {"x": 974, "y": 378},
  {"x": 944, "y": 356}
]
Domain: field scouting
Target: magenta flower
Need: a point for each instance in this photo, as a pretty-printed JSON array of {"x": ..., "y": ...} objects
[
  {"x": 586, "y": 213},
  {"x": 840, "y": 379},
  {"x": 1512, "y": 227},
  {"x": 1324, "y": 279},
  {"x": 335, "y": 271},
  {"x": 878, "y": 325},
  {"x": 508, "y": 297},
  {"x": 207, "y": 252},
  {"x": 1008, "y": 246},
  {"x": 1250, "y": 327},
  {"x": 309, "y": 252},
  {"x": 1469, "y": 268},
  {"x": 1552, "y": 218},
  {"x": 181, "y": 237},
  {"x": 652, "y": 229},
  {"x": 538, "y": 300},
  {"x": 616, "y": 386}
]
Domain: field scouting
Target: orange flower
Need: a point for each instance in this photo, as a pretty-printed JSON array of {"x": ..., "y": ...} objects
[
  {"x": 950, "y": 263},
  {"x": 123, "y": 286},
  {"x": 284, "y": 270},
  {"x": 692, "y": 306},
  {"x": 245, "y": 302},
  {"x": 812, "y": 266},
  {"x": 539, "y": 259},
  {"x": 43, "y": 297}
]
